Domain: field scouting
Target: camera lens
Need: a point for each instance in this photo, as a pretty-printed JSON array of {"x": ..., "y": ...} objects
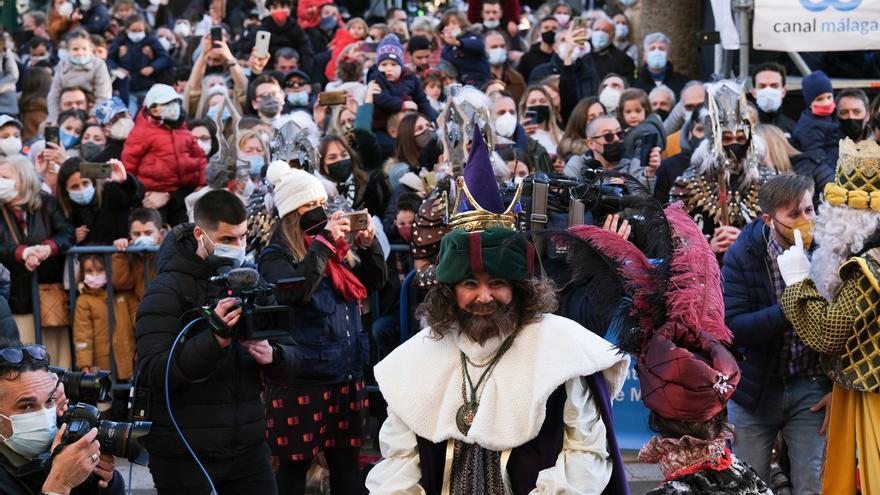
[
  {"x": 85, "y": 387},
  {"x": 122, "y": 439}
]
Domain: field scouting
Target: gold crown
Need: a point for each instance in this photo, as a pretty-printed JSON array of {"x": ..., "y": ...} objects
[
  {"x": 479, "y": 219},
  {"x": 857, "y": 184}
]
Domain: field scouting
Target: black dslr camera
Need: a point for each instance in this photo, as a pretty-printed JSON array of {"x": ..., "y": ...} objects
[
  {"x": 603, "y": 199},
  {"x": 257, "y": 322},
  {"x": 84, "y": 387},
  {"x": 116, "y": 438}
]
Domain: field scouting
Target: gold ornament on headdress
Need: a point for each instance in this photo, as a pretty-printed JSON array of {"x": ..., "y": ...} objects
[
  {"x": 857, "y": 184},
  {"x": 480, "y": 219}
]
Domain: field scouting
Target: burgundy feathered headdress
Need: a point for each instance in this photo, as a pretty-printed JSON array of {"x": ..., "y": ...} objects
[{"x": 673, "y": 319}]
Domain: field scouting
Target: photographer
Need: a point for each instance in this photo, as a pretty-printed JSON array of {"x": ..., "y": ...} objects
[
  {"x": 31, "y": 400},
  {"x": 214, "y": 381},
  {"x": 339, "y": 264}
]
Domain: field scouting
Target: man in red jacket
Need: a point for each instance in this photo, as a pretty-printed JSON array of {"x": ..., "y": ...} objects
[{"x": 164, "y": 155}]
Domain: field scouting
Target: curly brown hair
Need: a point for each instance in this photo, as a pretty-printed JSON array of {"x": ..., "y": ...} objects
[{"x": 532, "y": 298}]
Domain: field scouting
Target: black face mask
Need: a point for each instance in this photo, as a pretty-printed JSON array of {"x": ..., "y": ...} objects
[
  {"x": 548, "y": 37},
  {"x": 542, "y": 113},
  {"x": 424, "y": 138},
  {"x": 737, "y": 151},
  {"x": 430, "y": 153},
  {"x": 90, "y": 150},
  {"x": 312, "y": 219},
  {"x": 339, "y": 171},
  {"x": 613, "y": 152},
  {"x": 694, "y": 142},
  {"x": 662, "y": 113},
  {"x": 852, "y": 128}
]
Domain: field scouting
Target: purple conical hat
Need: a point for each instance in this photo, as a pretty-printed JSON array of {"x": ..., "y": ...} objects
[{"x": 479, "y": 178}]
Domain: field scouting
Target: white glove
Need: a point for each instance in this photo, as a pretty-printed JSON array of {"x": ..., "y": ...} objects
[{"x": 793, "y": 263}]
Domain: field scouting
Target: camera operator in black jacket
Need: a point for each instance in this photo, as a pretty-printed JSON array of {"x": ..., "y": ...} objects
[
  {"x": 214, "y": 382},
  {"x": 31, "y": 401}
]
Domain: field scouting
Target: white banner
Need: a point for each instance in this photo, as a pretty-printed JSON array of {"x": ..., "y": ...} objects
[{"x": 816, "y": 25}]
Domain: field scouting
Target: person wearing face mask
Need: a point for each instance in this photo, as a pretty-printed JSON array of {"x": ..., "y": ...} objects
[
  {"x": 163, "y": 154},
  {"x": 605, "y": 141},
  {"x": 91, "y": 337},
  {"x": 731, "y": 161},
  {"x": 768, "y": 90},
  {"x": 852, "y": 113},
  {"x": 215, "y": 66},
  {"x": 498, "y": 15},
  {"x": 577, "y": 76},
  {"x": 297, "y": 92},
  {"x": 10, "y": 136},
  {"x": 348, "y": 186},
  {"x": 96, "y": 16},
  {"x": 62, "y": 17},
  {"x": 145, "y": 232},
  {"x": 623, "y": 37},
  {"x": 32, "y": 403},
  {"x": 100, "y": 216},
  {"x": 778, "y": 367},
  {"x": 33, "y": 235},
  {"x": 327, "y": 319},
  {"x": 112, "y": 115},
  {"x": 605, "y": 56},
  {"x": 82, "y": 69},
  {"x": 321, "y": 35},
  {"x": 671, "y": 168},
  {"x": 818, "y": 128},
  {"x": 139, "y": 53},
  {"x": 658, "y": 69},
  {"x": 511, "y": 133},
  {"x": 207, "y": 361},
  {"x": 287, "y": 32},
  {"x": 499, "y": 64},
  {"x": 542, "y": 48}
]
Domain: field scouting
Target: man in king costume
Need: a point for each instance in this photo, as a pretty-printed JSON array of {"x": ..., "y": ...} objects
[
  {"x": 835, "y": 311},
  {"x": 496, "y": 395}
]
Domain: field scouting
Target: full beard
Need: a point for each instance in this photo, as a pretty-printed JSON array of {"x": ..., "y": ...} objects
[{"x": 481, "y": 322}]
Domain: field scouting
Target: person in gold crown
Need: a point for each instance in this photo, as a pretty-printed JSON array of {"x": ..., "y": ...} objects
[
  {"x": 833, "y": 306},
  {"x": 495, "y": 396}
]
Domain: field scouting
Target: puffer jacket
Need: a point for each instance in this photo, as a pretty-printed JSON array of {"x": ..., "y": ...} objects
[
  {"x": 215, "y": 391},
  {"x": 91, "y": 335},
  {"x": 752, "y": 312},
  {"x": 327, "y": 328},
  {"x": 145, "y": 53},
  {"x": 819, "y": 134},
  {"x": 45, "y": 226},
  {"x": 407, "y": 87},
  {"x": 469, "y": 58},
  {"x": 162, "y": 158}
]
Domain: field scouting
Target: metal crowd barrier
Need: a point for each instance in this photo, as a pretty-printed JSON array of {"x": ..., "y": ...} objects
[{"x": 108, "y": 252}]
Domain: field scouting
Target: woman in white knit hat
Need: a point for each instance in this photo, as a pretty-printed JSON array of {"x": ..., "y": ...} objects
[{"x": 324, "y": 409}]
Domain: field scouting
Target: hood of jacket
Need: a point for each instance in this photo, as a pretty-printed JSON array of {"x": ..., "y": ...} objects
[{"x": 178, "y": 254}]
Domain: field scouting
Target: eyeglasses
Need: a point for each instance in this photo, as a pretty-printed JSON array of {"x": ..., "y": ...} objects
[
  {"x": 15, "y": 355},
  {"x": 609, "y": 137},
  {"x": 296, "y": 83}
]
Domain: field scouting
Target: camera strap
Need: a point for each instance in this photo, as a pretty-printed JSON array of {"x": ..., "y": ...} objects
[
  {"x": 538, "y": 217},
  {"x": 575, "y": 212}
]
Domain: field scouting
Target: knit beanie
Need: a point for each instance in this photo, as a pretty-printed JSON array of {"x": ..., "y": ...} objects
[
  {"x": 293, "y": 187},
  {"x": 389, "y": 49},
  {"x": 815, "y": 84},
  {"x": 417, "y": 43}
]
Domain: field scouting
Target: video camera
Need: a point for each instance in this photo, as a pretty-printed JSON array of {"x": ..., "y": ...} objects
[
  {"x": 118, "y": 439},
  {"x": 256, "y": 322},
  {"x": 84, "y": 387},
  {"x": 603, "y": 199}
]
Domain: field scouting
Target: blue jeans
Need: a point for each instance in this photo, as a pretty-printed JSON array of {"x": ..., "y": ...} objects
[{"x": 784, "y": 407}]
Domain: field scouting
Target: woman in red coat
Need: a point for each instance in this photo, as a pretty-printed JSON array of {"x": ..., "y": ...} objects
[{"x": 164, "y": 155}]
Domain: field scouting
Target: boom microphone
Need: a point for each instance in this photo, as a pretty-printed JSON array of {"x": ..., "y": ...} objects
[{"x": 238, "y": 278}]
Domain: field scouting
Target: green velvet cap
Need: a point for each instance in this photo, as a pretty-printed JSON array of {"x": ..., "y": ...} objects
[{"x": 464, "y": 253}]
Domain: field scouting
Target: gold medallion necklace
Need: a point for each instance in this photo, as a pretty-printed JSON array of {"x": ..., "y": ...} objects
[{"x": 464, "y": 418}]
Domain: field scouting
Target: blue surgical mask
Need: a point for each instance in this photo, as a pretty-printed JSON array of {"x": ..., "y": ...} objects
[
  {"x": 212, "y": 113},
  {"x": 621, "y": 31},
  {"x": 33, "y": 432},
  {"x": 136, "y": 37},
  {"x": 83, "y": 197},
  {"x": 143, "y": 241},
  {"x": 235, "y": 253},
  {"x": 656, "y": 59},
  {"x": 83, "y": 60},
  {"x": 600, "y": 40},
  {"x": 497, "y": 56},
  {"x": 256, "y": 162},
  {"x": 298, "y": 99},
  {"x": 68, "y": 140}
]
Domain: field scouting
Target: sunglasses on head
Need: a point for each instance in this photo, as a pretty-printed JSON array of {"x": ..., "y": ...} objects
[
  {"x": 15, "y": 355},
  {"x": 609, "y": 136}
]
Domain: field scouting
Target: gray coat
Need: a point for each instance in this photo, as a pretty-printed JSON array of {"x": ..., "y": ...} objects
[
  {"x": 8, "y": 79},
  {"x": 92, "y": 76}
]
